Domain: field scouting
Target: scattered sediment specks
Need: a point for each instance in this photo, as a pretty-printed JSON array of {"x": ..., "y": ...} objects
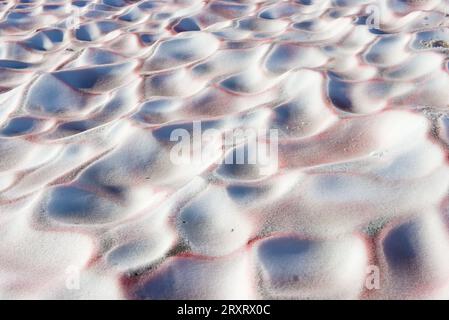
[{"x": 92, "y": 91}]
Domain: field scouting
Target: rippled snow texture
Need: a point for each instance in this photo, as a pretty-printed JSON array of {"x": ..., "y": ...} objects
[{"x": 92, "y": 207}]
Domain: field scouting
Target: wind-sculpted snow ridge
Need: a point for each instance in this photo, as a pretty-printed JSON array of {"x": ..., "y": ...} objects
[{"x": 92, "y": 205}]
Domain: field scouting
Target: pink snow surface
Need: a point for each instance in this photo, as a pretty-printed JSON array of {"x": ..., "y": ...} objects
[{"x": 93, "y": 207}]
